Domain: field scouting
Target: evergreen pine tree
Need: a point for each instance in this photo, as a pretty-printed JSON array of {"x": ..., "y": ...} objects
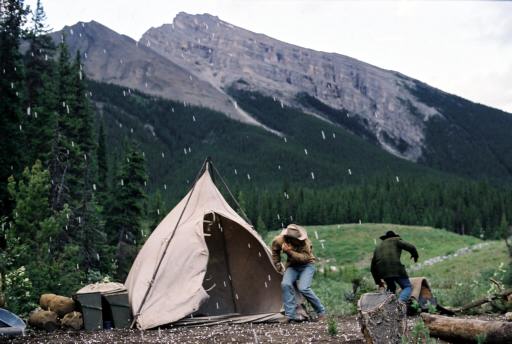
[
  {"x": 32, "y": 245},
  {"x": 157, "y": 210},
  {"x": 126, "y": 209},
  {"x": 101, "y": 154},
  {"x": 12, "y": 17},
  {"x": 40, "y": 102}
]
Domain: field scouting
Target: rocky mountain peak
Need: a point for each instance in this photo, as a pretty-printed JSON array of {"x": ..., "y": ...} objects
[{"x": 223, "y": 54}]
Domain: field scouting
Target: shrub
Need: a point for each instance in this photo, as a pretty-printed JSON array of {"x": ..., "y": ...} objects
[{"x": 332, "y": 326}]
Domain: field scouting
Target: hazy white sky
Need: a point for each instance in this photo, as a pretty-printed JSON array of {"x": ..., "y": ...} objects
[{"x": 461, "y": 47}]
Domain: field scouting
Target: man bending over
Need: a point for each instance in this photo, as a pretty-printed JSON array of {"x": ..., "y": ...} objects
[{"x": 300, "y": 268}]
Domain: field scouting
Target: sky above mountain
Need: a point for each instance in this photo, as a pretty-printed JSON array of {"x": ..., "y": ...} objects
[{"x": 463, "y": 48}]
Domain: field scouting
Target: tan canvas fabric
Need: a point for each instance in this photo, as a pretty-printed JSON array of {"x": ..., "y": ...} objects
[{"x": 239, "y": 258}]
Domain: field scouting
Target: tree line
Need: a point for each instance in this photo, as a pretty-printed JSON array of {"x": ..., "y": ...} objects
[
  {"x": 66, "y": 219},
  {"x": 465, "y": 207}
]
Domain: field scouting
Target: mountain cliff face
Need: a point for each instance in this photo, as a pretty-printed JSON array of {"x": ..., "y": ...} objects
[
  {"x": 223, "y": 54},
  {"x": 118, "y": 59},
  {"x": 203, "y": 61}
]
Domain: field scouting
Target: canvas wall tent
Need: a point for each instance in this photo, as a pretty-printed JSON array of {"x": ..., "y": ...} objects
[{"x": 204, "y": 262}]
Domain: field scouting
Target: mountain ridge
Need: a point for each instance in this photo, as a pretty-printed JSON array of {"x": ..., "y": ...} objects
[{"x": 202, "y": 59}]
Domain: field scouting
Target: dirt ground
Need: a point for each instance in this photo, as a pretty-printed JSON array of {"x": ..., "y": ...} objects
[{"x": 308, "y": 332}]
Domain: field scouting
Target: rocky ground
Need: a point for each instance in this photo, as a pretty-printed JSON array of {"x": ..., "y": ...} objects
[{"x": 308, "y": 332}]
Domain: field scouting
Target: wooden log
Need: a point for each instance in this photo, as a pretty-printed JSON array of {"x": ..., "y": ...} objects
[
  {"x": 44, "y": 300},
  {"x": 382, "y": 318},
  {"x": 61, "y": 305},
  {"x": 44, "y": 320},
  {"x": 73, "y": 320},
  {"x": 504, "y": 295},
  {"x": 458, "y": 330}
]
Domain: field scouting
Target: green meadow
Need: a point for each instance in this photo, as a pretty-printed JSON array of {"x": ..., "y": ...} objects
[{"x": 344, "y": 253}]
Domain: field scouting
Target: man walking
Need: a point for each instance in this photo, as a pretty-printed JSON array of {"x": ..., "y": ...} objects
[
  {"x": 386, "y": 264},
  {"x": 300, "y": 268}
]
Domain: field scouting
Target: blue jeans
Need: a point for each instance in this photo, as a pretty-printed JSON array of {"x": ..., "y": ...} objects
[
  {"x": 404, "y": 283},
  {"x": 303, "y": 274}
]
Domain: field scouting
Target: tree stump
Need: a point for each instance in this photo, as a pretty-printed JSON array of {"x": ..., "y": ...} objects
[
  {"x": 382, "y": 318},
  {"x": 458, "y": 330}
]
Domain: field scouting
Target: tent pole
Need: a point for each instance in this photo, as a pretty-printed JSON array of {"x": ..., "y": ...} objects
[
  {"x": 230, "y": 194},
  {"x": 136, "y": 315}
]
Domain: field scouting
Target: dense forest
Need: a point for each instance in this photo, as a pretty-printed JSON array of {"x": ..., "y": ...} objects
[
  {"x": 59, "y": 229},
  {"x": 83, "y": 179}
]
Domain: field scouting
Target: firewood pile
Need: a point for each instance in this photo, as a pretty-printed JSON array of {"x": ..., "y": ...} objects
[{"x": 56, "y": 312}]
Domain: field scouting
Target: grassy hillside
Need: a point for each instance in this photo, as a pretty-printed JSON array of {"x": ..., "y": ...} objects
[{"x": 344, "y": 253}]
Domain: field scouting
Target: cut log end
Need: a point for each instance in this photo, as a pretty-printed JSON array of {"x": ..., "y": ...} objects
[{"x": 468, "y": 330}]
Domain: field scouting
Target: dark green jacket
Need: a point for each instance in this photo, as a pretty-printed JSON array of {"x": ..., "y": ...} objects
[{"x": 386, "y": 258}]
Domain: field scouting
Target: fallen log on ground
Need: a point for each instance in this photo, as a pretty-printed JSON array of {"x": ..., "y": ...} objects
[
  {"x": 382, "y": 318},
  {"x": 499, "y": 296},
  {"x": 458, "y": 330}
]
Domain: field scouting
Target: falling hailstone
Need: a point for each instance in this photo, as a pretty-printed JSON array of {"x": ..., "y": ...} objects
[
  {"x": 185, "y": 151},
  {"x": 193, "y": 118},
  {"x": 305, "y": 151},
  {"x": 158, "y": 211},
  {"x": 279, "y": 167},
  {"x": 236, "y": 172},
  {"x": 397, "y": 179},
  {"x": 165, "y": 186},
  {"x": 122, "y": 182},
  {"x": 189, "y": 150},
  {"x": 278, "y": 217},
  {"x": 163, "y": 155},
  {"x": 94, "y": 187},
  {"x": 285, "y": 140},
  {"x": 316, "y": 235},
  {"x": 333, "y": 135},
  {"x": 28, "y": 111},
  {"x": 312, "y": 175},
  {"x": 323, "y": 135},
  {"x": 349, "y": 171},
  {"x": 248, "y": 176}
]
